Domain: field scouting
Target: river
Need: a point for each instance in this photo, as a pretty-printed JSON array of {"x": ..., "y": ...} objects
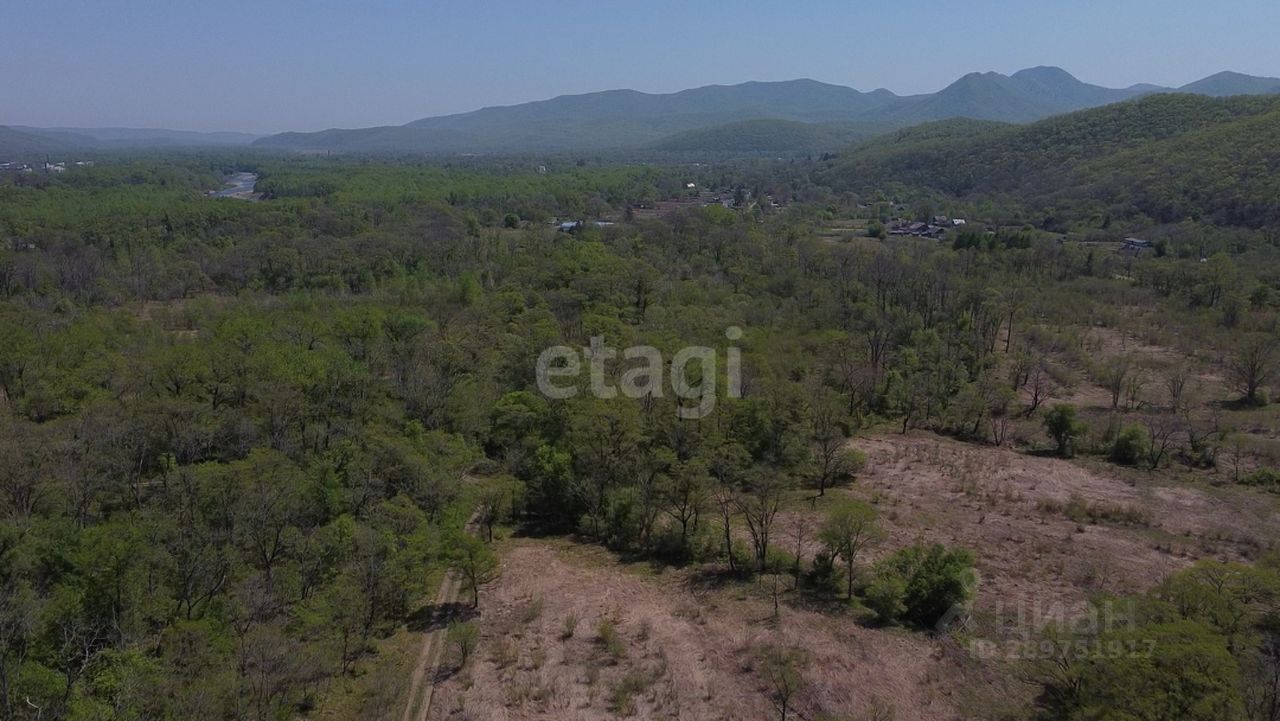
[{"x": 239, "y": 186}]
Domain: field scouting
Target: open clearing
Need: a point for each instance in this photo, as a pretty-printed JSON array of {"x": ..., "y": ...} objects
[
  {"x": 684, "y": 650},
  {"x": 1004, "y": 504},
  {"x": 570, "y": 632}
]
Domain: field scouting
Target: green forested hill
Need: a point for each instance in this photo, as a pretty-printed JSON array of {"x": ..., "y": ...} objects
[
  {"x": 24, "y": 142},
  {"x": 1228, "y": 173},
  {"x": 1025, "y": 96},
  {"x": 771, "y": 136},
  {"x": 611, "y": 120},
  {"x": 16, "y": 144},
  {"x": 1228, "y": 83},
  {"x": 1165, "y": 156}
]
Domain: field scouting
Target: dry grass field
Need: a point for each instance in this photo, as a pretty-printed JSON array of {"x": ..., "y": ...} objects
[{"x": 570, "y": 631}]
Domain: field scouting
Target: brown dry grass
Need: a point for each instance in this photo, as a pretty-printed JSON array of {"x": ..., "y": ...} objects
[
  {"x": 683, "y": 643},
  {"x": 689, "y": 646},
  {"x": 993, "y": 501}
]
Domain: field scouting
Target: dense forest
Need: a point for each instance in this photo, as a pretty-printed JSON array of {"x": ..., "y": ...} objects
[{"x": 241, "y": 441}]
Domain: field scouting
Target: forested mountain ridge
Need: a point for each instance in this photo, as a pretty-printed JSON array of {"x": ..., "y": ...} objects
[
  {"x": 1228, "y": 83},
  {"x": 764, "y": 136},
  {"x": 631, "y": 120},
  {"x": 1171, "y": 147},
  {"x": 1026, "y": 95},
  {"x": 18, "y": 141},
  {"x": 144, "y": 137},
  {"x": 627, "y": 119},
  {"x": 615, "y": 119}
]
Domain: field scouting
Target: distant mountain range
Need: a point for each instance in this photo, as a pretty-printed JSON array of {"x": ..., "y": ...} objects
[
  {"x": 627, "y": 119},
  {"x": 791, "y": 116},
  {"x": 21, "y": 140}
]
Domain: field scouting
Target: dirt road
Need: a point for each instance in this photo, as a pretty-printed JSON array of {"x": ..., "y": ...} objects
[
  {"x": 424, "y": 672},
  {"x": 423, "y": 683}
]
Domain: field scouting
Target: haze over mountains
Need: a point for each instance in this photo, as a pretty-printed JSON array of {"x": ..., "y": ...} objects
[
  {"x": 792, "y": 116},
  {"x": 22, "y": 139},
  {"x": 623, "y": 119}
]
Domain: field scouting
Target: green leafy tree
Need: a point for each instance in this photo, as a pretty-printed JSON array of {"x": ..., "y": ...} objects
[
  {"x": 1233, "y": 598},
  {"x": 847, "y": 531},
  {"x": 473, "y": 560},
  {"x": 1064, "y": 427},
  {"x": 1181, "y": 670},
  {"x": 463, "y": 636}
]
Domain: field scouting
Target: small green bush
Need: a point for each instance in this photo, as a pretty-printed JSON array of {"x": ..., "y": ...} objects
[
  {"x": 622, "y": 694},
  {"x": 1081, "y": 511},
  {"x": 823, "y": 574},
  {"x": 918, "y": 585},
  {"x": 1268, "y": 478},
  {"x": 569, "y": 627},
  {"x": 1130, "y": 446},
  {"x": 607, "y": 635},
  {"x": 1064, "y": 427},
  {"x": 463, "y": 637},
  {"x": 885, "y": 597},
  {"x": 779, "y": 561}
]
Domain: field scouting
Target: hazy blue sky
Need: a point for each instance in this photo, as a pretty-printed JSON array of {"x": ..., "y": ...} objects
[{"x": 274, "y": 65}]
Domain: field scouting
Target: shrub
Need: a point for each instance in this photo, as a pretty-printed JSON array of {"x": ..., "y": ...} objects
[
  {"x": 1064, "y": 427},
  {"x": 853, "y": 461},
  {"x": 885, "y": 596},
  {"x": 779, "y": 561},
  {"x": 531, "y": 612},
  {"x": 823, "y": 574},
  {"x": 570, "y": 626},
  {"x": 1130, "y": 446},
  {"x": 463, "y": 637},
  {"x": 505, "y": 653},
  {"x": 624, "y": 519},
  {"x": 622, "y": 694},
  {"x": 607, "y": 635},
  {"x": 1080, "y": 511},
  {"x": 1268, "y": 478},
  {"x": 920, "y": 584}
]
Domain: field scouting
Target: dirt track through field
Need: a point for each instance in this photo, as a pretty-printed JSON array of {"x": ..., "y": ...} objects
[{"x": 423, "y": 683}]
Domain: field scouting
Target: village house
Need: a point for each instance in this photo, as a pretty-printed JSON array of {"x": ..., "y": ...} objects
[
  {"x": 920, "y": 230},
  {"x": 573, "y": 226},
  {"x": 1135, "y": 246}
]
